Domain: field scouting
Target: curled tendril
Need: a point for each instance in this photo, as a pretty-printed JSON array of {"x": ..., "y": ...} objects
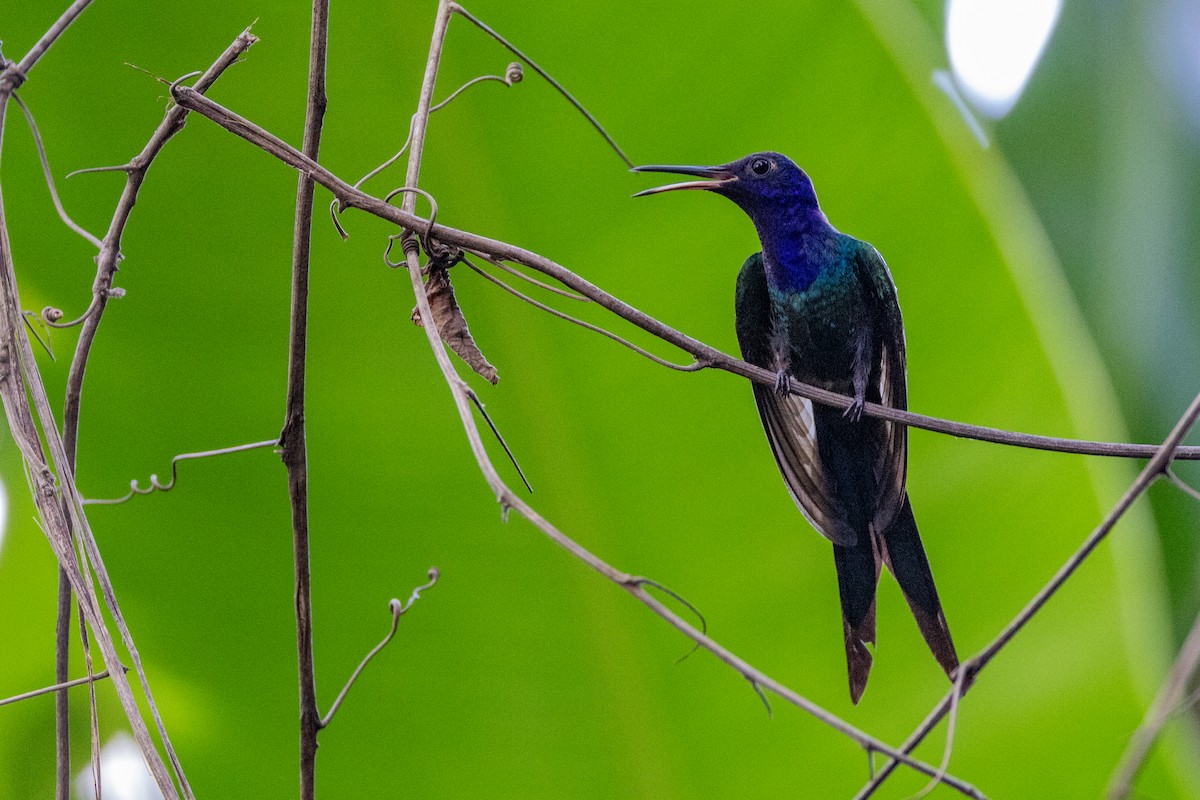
[
  {"x": 398, "y": 610},
  {"x": 50, "y": 315},
  {"x": 155, "y": 485},
  {"x": 758, "y": 690},
  {"x": 175, "y": 83},
  {"x": 437, "y": 252},
  {"x": 642, "y": 583},
  {"x": 514, "y": 73}
]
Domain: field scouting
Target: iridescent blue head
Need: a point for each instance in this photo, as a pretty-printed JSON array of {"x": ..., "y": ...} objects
[{"x": 769, "y": 187}]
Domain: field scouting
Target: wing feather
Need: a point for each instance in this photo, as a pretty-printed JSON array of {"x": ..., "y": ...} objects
[
  {"x": 889, "y": 378},
  {"x": 787, "y": 419}
]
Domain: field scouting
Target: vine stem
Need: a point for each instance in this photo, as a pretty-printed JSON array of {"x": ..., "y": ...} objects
[{"x": 292, "y": 437}]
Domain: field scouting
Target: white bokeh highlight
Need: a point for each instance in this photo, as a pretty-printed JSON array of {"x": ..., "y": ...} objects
[
  {"x": 994, "y": 46},
  {"x": 123, "y": 773}
]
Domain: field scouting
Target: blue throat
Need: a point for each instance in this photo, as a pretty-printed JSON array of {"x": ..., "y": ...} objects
[{"x": 793, "y": 250}]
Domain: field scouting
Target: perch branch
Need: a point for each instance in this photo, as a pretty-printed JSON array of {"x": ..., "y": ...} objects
[
  {"x": 49, "y": 38},
  {"x": 706, "y": 355},
  {"x": 1155, "y": 468}
]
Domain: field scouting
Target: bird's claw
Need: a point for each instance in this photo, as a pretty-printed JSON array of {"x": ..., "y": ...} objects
[
  {"x": 854, "y": 411},
  {"x": 783, "y": 383}
]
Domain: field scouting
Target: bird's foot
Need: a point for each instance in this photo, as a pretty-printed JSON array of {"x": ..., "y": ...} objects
[
  {"x": 783, "y": 383},
  {"x": 854, "y": 411}
]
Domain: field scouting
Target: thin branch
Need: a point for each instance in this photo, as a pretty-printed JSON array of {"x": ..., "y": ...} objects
[
  {"x": 155, "y": 486},
  {"x": 110, "y": 253},
  {"x": 398, "y": 610},
  {"x": 292, "y": 438},
  {"x": 500, "y": 438},
  {"x": 62, "y": 705},
  {"x": 1157, "y": 466},
  {"x": 41, "y": 149},
  {"x": 692, "y": 367},
  {"x": 709, "y": 356},
  {"x": 462, "y": 12},
  {"x": 951, "y": 725},
  {"x": 93, "y": 713},
  {"x": 58, "y": 687},
  {"x": 1183, "y": 486},
  {"x": 51, "y": 36},
  {"x": 507, "y": 499},
  {"x": 529, "y": 279},
  {"x": 1166, "y": 704}
]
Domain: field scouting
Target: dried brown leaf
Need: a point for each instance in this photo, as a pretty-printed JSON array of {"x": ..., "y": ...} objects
[{"x": 451, "y": 323}]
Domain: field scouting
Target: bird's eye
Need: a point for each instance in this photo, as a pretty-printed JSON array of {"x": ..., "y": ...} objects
[{"x": 760, "y": 166}]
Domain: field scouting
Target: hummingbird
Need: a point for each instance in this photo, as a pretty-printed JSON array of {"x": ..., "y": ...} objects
[{"x": 819, "y": 306}]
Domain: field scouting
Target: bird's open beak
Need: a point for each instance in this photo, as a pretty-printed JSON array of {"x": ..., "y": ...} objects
[{"x": 717, "y": 177}]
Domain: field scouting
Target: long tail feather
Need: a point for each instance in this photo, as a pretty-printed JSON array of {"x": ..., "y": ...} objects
[
  {"x": 858, "y": 575},
  {"x": 905, "y": 558}
]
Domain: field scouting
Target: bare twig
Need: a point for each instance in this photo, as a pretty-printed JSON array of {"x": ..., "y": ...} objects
[
  {"x": 1157, "y": 466},
  {"x": 110, "y": 253},
  {"x": 708, "y": 356},
  {"x": 51, "y": 36},
  {"x": 62, "y": 705},
  {"x": 155, "y": 486},
  {"x": 58, "y": 687},
  {"x": 529, "y": 279},
  {"x": 292, "y": 438},
  {"x": 1166, "y": 704},
  {"x": 398, "y": 610},
  {"x": 1183, "y": 486},
  {"x": 692, "y": 367},
  {"x": 41, "y": 149},
  {"x": 499, "y": 438},
  {"x": 558, "y": 87},
  {"x": 93, "y": 714}
]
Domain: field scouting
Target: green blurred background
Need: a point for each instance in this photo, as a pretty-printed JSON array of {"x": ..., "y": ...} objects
[{"x": 523, "y": 674}]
